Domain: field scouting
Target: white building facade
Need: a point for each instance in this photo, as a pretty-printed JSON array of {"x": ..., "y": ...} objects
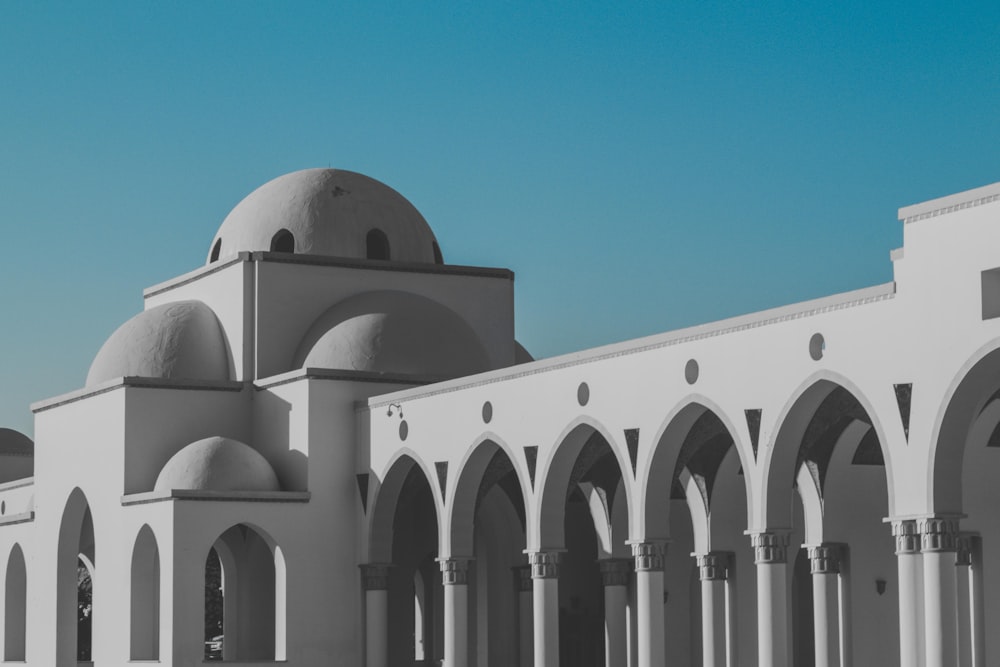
[{"x": 345, "y": 427}]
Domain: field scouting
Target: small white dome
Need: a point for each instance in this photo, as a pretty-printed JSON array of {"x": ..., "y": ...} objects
[
  {"x": 328, "y": 212},
  {"x": 175, "y": 340},
  {"x": 393, "y": 332},
  {"x": 217, "y": 464}
]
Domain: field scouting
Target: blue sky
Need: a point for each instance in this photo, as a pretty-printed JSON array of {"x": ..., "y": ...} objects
[{"x": 640, "y": 167}]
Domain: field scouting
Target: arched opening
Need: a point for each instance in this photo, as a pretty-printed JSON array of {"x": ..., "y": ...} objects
[
  {"x": 252, "y": 589},
  {"x": 85, "y": 611},
  {"x": 487, "y": 525},
  {"x": 377, "y": 245},
  {"x": 216, "y": 251},
  {"x": 77, "y": 599},
  {"x": 145, "y": 598},
  {"x": 702, "y": 511},
  {"x": 582, "y": 513},
  {"x": 15, "y": 607},
  {"x": 438, "y": 258},
  {"x": 966, "y": 459},
  {"x": 404, "y": 532},
  {"x": 831, "y": 440},
  {"x": 283, "y": 241},
  {"x": 214, "y": 607}
]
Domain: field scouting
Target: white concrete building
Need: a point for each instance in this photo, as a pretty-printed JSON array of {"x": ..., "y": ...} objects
[{"x": 347, "y": 426}]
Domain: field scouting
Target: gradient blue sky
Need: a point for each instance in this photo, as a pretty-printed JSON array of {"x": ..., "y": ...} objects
[{"x": 640, "y": 167}]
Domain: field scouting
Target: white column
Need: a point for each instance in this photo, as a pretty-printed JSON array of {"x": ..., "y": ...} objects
[
  {"x": 545, "y": 603},
  {"x": 375, "y": 581},
  {"x": 614, "y": 575},
  {"x": 978, "y": 611},
  {"x": 771, "y": 559},
  {"x": 963, "y": 577},
  {"x": 911, "y": 602},
  {"x": 712, "y": 572},
  {"x": 455, "y": 578},
  {"x": 522, "y": 582},
  {"x": 650, "y": 620},
  {"x": 938, "y": 545},
  {"x": 824, "y": 564}
]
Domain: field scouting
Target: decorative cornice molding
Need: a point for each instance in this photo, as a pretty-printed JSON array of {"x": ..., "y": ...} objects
[
  {"x": 787, "y": 313},
  {"x": 375, "y": 576},
  {"x": 649, "y": 556},
  {"x": 769, "y": 548},
  {"x": 615, "y": 571},
  {"x": 950, "y": 203}
]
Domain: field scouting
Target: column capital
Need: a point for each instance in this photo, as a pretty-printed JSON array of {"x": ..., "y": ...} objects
[
  {"x": 649, "y": 556},
  {"x": 375, "y": 576},
  {"x": 769, "y": 547},
  {"x": 907, "y": 536},
  {"x": 544, "y": 564},
  {"x": 825, "y": 558},
  {"x": 454, "y": 571},
  {"x": 713, "y": 566},
  {"x": 615, "y": 571},
  {"x": 938, "y": 534},
  {"x": 963, "y": 557},
  {"x": 522, "y": 578}
]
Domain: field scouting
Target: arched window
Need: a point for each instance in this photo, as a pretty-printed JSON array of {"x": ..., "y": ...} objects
[
  {"x": 250, "y": 580},
  {"x": 377, "y": 244},
  {"x": 438, "y": 259},
  {"x": 75, "y": 583},
  {"x": 145, "y": 616},
  {"x": 216, "y": 250},
  {"x": 15, "y": 606},
  {"x": 283, "y": 241}
]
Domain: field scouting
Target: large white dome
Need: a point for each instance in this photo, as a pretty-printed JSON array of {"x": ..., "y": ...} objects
[{"x": 329, "y": 212}]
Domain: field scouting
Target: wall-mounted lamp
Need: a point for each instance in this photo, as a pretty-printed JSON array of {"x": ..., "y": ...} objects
[
  {"x": 880, "y": 586},
  {"x": 388, "y": 413}
]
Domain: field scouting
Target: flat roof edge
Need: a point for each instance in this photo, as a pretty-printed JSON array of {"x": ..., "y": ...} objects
[
  {"x": 143, "y": 382},
  {"x": 323, "y": 260},
  {"x": 949, "y": 203}
]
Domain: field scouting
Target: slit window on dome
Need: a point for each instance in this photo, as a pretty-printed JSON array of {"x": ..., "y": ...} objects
[
  {"x": 377, "y": 245},
  {"x": 283, "y": 241},
  {"x": 438, "y": 259},
  {"x": 216, "y": 251}
]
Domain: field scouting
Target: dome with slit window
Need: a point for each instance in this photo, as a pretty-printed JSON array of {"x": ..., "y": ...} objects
[{"x": 329, "y": 212}]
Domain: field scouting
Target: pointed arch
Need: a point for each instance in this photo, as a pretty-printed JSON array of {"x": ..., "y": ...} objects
[
  {"x": 665, "y": 457},
  {"x": 404, "y": 463},
  {"x": 547, "y": 530},
  {"x": 780, "y": 460},
  {"x": 144, "y": 634},
  {"x": 15, "y": 606},
  {"x": 487, "y": 460},
  {"x": 76, "y": 540}
]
